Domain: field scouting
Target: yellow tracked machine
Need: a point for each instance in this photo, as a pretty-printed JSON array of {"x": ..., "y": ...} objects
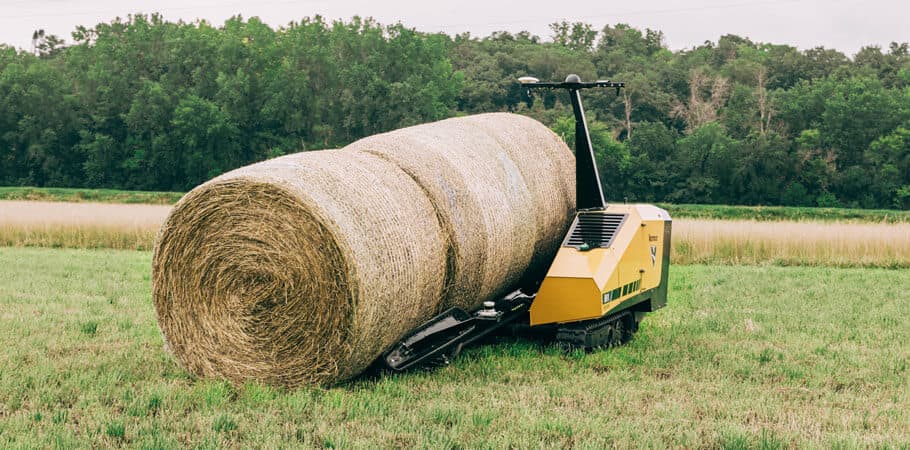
[{"x": 610, "y": 270}]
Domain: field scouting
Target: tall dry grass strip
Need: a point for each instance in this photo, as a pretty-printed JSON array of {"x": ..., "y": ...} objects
[
  {"x": 120, "y": 237},
  {"x": 791, "y": 243},
  {"x": 303, "y": 269},
  {"x": 79, "y": 225}
]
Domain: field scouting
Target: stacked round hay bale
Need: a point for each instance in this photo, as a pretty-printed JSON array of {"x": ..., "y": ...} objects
[
  {"x": 500, "y": 186},
  {"x": 532, "y": 148},
  {"x": 305, "y": 268}
]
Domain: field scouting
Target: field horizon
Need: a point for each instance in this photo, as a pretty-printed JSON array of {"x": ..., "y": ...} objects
[
  {"x": 694, "y": 241},
  {"x": 681, "y": 210}
]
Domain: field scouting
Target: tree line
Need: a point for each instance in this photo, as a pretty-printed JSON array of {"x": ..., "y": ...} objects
[{"x": 143, "y": 103}]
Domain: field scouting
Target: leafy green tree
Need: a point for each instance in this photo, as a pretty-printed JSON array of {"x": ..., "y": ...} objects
[
  {"x": 101, "y": 159},
  {"x": 207, "y": 138},
  {"x": 857, "y": 111},
  {"x": 652, "y": 162},
  {"x": 822, "y": 62},
  {"x": 153, "y": 161},
  {"x": 889, "y": 161},
  {"x": 577, "y": 36},
  {"x": 786, "y": 66},
  {"x": 38, "y": 126},
  {"x": 761, "y": 169},
  {"x": 796, "y": 195},
  {"x": 612, "y": 157},
  {"x": 815, "y": 167},
  {"x": 705, "y": 164},
  {"x": 143, "y": 103}
]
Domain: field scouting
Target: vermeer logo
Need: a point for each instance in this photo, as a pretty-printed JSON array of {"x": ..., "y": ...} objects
[{"x": 653, "y": 255}]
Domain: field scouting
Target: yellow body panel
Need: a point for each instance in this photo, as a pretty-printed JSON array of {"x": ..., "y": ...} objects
[
  {"x": 582, "y": 285},
  {"x": 565, "y": 287}
]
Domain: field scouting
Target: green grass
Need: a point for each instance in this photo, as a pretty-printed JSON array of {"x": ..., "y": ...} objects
[
  {"x": 763, "y": 213},
  {"x": 742, "y": 357},
  {"x": 792, "y": 213},
  {"x": 88, "y": 195}
]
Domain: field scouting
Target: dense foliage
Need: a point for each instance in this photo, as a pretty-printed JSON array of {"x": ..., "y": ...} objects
[{"x": 147, "y": 104}]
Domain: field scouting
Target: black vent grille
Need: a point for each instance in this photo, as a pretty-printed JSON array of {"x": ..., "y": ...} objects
[{"x": 595, "y": 229}]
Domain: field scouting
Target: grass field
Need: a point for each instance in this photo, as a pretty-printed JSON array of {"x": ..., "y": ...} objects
[
  {"x": 721, "y": 212},
  {"x": 742, "y": 357}
]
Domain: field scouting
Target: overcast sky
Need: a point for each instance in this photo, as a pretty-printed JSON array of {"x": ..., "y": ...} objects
[{"x": 845, "y": 25}]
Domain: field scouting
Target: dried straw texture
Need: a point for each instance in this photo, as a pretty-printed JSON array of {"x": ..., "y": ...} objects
[
  {"x": 703, "y": 241},
  {"x": 303, "y": 269},
  {"x": 503, "y": 189},
  {"x": 548, "y": 169},
  {"x": 298, "y": 270},
  {"x": 79, "y": 225}
]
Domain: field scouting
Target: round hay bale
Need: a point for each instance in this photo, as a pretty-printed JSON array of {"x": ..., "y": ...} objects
[
  {"x": 548, "y": 168},
  {"x": 500, "y": 185},
  {"x": 297, "y": 270},
  {"x": 305, "y": 268}
]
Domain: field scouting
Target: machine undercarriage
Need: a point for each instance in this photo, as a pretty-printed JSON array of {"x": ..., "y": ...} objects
[{"x": 443, "y": 337}]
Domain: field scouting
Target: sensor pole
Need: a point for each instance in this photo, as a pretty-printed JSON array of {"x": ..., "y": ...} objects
[{"x": 588, "y": 190}]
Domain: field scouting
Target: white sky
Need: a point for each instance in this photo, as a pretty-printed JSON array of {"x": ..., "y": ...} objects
[{"x": 845, "y": 25}]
